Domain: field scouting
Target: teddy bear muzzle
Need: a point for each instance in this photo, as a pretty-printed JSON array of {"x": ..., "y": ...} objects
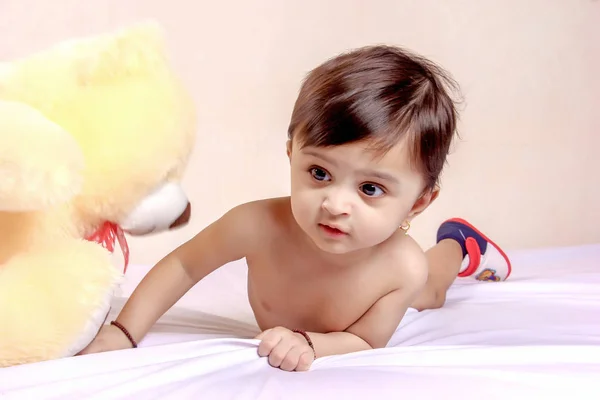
[{"x": 165, "y": 208}]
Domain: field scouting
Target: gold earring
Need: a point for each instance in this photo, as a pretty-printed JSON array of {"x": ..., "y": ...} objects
[{"x": 405, "y": 228}]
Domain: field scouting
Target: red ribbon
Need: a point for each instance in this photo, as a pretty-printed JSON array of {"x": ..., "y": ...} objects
[{"x": 106, "y": 235}]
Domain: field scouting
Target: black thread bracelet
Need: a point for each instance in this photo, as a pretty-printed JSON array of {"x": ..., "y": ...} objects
[
  {"x": 125, "y": 331},
  {"x": 310, "y": 343}
]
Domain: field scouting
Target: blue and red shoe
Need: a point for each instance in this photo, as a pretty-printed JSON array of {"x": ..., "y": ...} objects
[{"x": 482, "y": 258}]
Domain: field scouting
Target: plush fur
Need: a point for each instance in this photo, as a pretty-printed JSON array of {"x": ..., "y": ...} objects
[{"x": 88, "y": 129}]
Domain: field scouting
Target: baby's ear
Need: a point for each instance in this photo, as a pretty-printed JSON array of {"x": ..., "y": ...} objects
[
  {"x": 427, "y": 197},
  {"x": 433, "y": 193},
  {"x": 288, "y": 146}
]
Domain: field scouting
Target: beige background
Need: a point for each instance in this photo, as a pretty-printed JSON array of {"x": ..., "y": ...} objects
[{"x": 526, "y": 169}]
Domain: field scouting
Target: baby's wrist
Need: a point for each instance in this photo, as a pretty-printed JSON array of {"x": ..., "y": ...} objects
[
  {"x": 125, "y": 333},
  {"x": 308, "y": 340}
]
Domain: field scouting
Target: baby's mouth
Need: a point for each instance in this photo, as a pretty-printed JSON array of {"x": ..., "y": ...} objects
[{"x": 331, "y": 230}]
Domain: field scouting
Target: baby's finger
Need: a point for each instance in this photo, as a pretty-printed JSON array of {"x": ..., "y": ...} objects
[
  {"x": 305, "y": 361},
  {"x": 279, "y": 353},
  {"x": 267, "y": 344},
  {"x": 261, "y": 335},
  {"x": 290, "y": 362}
]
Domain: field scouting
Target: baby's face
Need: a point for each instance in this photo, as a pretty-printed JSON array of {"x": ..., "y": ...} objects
[{"x": 348, "y": 198}]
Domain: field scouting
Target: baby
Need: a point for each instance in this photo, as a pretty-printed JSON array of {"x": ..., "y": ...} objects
[{"x": 331, "y": 269}]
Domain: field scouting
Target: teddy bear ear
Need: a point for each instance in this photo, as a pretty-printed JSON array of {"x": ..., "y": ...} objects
[
  {"x": 139, "y": 48},
  {"x": 41, "y": 164}
]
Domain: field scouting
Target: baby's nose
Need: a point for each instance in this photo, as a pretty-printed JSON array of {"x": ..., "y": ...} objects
[{"x": 336, "y": 205}]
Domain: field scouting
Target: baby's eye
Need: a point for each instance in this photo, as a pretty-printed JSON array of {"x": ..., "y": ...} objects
[
  {"x": 319, "y": 174},
  {"x": 371, "y": 190}
]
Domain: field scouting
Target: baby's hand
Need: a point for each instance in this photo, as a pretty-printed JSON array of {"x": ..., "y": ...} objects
[
  {"x": 108, "y": 338},
  {"x": 286, "y": 350}
]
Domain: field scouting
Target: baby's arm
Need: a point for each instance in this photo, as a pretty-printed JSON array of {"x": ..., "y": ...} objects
[
  {"x": 225, "y": 240},
  {"x": 375, "y": 328}
]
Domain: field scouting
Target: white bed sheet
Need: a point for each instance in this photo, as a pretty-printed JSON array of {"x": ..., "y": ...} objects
[{"x": 534, "y": 336}]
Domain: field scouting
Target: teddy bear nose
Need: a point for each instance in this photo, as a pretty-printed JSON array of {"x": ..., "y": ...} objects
[{"x": 183, "y": 218}]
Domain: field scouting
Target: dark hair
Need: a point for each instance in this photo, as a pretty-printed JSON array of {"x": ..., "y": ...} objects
[{"x": 379, "y": 94}]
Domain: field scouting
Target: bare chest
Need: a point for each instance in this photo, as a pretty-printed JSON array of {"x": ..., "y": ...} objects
[{"x": 282, "y": 294}]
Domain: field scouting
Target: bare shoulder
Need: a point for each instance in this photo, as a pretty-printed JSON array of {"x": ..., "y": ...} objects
[
  {"x": 253, "y": 211},
  {"x": 406, "y": 261},
  {"x": 252, "y": 221},
  {"x": 235, "y": 235},
  {"x": 260, "y": 216}
]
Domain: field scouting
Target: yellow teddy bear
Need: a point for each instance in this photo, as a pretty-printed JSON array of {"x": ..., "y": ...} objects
[{"x": 95, "y": 134}]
